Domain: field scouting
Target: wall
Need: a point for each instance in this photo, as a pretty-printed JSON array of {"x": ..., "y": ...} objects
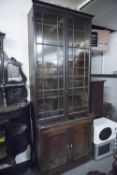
[
  {"x": 13, "y": 22},
  {"x": 107, "y": 64}
]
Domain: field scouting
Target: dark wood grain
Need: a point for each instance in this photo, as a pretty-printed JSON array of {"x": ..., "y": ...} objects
[
  {"x": 63, "y": 146},
  {"x": 97, "y": 93},
  {"x": 59, "y": 86}
]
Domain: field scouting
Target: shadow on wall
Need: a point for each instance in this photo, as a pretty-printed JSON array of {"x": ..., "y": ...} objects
[{"x": 108, "y": 110}]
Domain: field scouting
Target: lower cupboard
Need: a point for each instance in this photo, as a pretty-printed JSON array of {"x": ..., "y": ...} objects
[{"x": 63, "y": 146}]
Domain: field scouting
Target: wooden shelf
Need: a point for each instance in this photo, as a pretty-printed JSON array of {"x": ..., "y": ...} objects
[{"x": 104, "y": 75}]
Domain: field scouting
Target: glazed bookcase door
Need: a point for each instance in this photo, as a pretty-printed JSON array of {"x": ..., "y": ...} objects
[
  {"x": 50, "y": 65},
  {"x": 78, "y": 65}
]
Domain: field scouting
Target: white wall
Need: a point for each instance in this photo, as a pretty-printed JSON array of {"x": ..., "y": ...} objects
[
  {"x": 13, "y": 22},
  {"x": 107, "y": 65},
  {"x": 110, "y": 57}
]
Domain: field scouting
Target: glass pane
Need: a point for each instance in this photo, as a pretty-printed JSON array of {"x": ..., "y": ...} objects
[
  {"x": 51, "y": 103},
  {"x": 86, "y": 81},
  {"x": 52, "y": 30},
  {"x": 51, "y": 83},
  {"x": 39, "y": 55},
  {"x": 78, "y": 99},
  {"x": 50, "y": 56},
  {"x": 70, "y": 82},
  {"x": 75, "y": 82},
  {"x": 75, "y": 100},
  {"x": 85, "y": 99},
  {"x": 50, "y": 100},
  {"x": 40, "y": 105},
  {"x": 86, "y": 72},
  {"x": 78, "y": 82},
  {"x": 1, "y": 63},
  {"x": 60, "y": 31},
  {"x": 61, "y": 100},
  {"x": 50, "y": 113},
  {"x": 47, "y": 93},
  {"x": 61, "y": 78},
  {"x": 1, "y": 97},
  {"x": 61, "y": 69},
  {"x": 70, "y": 31},
  {"x": 70, "y": 61},
  {"x": 39, "y": 84},
  {"x": 86, "y": 69},
  {"x": 87, "y": 34},
  {"x": 55, "y": 98},
  {"x": 79, "y": 33},
  {"x": 47, "y": 78},
  {"x": 76, "y": 62},
  {"x": 76, "y": 32},
  {"x": 50, "y": 72},
  {"x": 86, "y": 59},
  {"x": 39, "y": 23},
  {"x": 61, "y": 104},
  {"x": 50, "y": 93},
  {"x": 39, "y": 73},
  {"x": 60, "y": 56},
  {"x": 70, "y": 100},
  {"x": 79, "y": 55},
  {"x": 78, "y": 71}
]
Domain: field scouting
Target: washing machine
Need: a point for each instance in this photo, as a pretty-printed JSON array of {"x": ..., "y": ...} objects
[{"x": 104, "y": 137}]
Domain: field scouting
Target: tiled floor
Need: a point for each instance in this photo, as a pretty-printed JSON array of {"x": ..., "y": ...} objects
[{"x": 104, "y": 165}]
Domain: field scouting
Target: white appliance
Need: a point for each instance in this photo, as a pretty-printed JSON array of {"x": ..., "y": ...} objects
[
  {"x": 104, "y": 149},
  {"x": 104, "y": 137}
]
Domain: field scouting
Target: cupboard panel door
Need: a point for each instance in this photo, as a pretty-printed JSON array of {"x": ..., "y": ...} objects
[
  {"x": 54, "y": 148},
  {"x": 81, "y": 141}
]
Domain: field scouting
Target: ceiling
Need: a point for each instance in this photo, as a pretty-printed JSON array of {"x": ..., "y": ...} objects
[{"x": 104, "y": 11}]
